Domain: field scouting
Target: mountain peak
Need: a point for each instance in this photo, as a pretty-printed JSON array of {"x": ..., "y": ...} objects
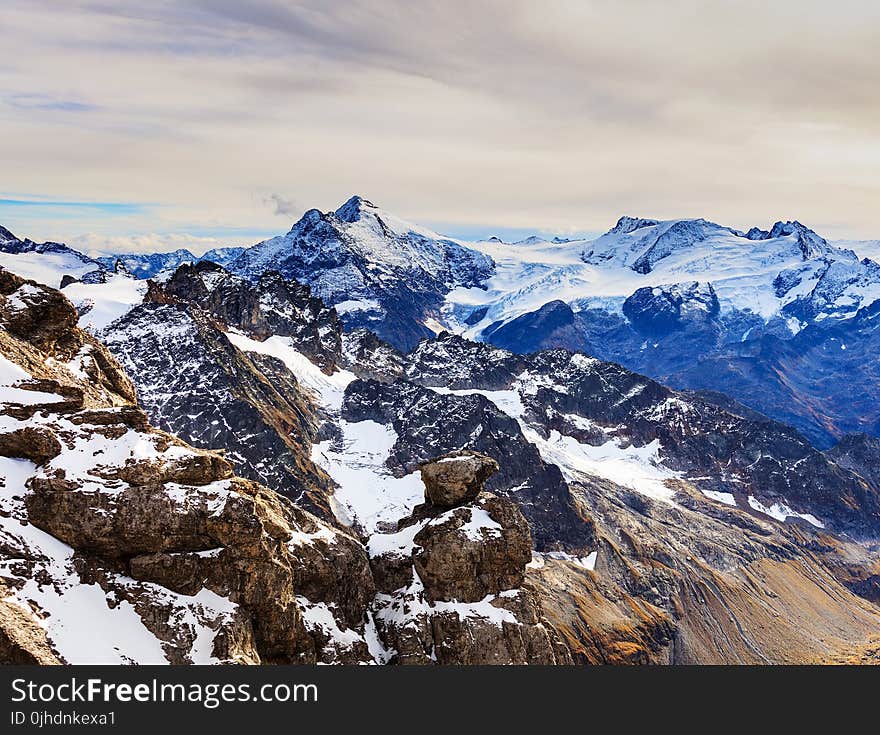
[
  {"x": 6, "y": 235},
  {"x": 530, "y": 240},
  {"x": 351, "y": 211},
  {"x": 756, "y": 233},
  {"x": 810, "y": 243},
  {"x": 625, "y": 225}
]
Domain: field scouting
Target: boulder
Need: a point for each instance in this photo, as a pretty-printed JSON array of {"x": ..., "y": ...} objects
[
  {"x": 35, "y": 312},
  {"x": 193, "y": 468},
  {"x": 37, "y": 444},
  {"x": 473, "y": 551},
  {"x": 456, "y": 478}
]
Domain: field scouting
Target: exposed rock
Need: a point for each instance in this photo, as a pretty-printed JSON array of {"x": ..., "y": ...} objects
[
  {"x": 272, "y": 305},
  {"x": 429, "y": 424},
  {"x": 39, "y": 445},
  {"x": 201, "y": 468},
  {"x": 450, "y": 581},
  {"x": 553, "y": 325},
  {"x": 861, "y": 454},
  {"x": 22, "y": 640},
  {"x": 473, "y": 551},
  {"x": 34, "y": 312},
  {"x": 370, "y": 357},
  {"x": 249, "y": 404},
  {"x": 214, "y": 567},
  {"x": 659, "y": 310},
  {"x": 456, "y": 477}
]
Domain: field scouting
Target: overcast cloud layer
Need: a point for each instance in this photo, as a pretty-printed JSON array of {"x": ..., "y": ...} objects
[{"x": 222, "y": 121}]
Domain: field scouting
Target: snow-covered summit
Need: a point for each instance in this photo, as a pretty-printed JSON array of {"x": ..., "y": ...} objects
[
  {"x": 45, "y": 262},
  {"x": 625, "y": 225},
  {"x": 376, "y": 268},
  {"x": 787, "y": 272},
  {"x": 6, "y": 235},
  {"x": 811, "y": 244}
]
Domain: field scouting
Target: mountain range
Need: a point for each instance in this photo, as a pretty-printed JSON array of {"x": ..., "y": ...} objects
[
  {"x": 779, "y": 319},
  {"x": 657, "y": 446}
]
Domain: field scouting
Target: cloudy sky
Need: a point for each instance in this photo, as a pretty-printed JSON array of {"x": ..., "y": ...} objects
[{"x": 157, "y": 124}]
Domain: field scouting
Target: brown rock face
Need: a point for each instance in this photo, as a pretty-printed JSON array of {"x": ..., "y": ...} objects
[
  {"x": 473, "y": 551},
  {"x": 451, "y": 579},
  {"x": 39, "y": 445},
  {"x": 216, "y": 567},
  {"x": 36, "y": 313},
  {"x": 197, "y": 468},
  {"x": 456, "y": 477},
  {"x": 22, "y": 640}
]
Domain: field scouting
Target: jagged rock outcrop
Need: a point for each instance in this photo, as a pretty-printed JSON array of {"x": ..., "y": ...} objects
[
  {"x": 456, "y": 478},
  {"x": 129, "y": 545},
  {"x": 273, "y": 305},
  {"x": 22, "y": 640},
  {"x": 121, "y": 543},
  {"x": 195, "y": 383},
  {"x": 583, "y": 413},
  {"x": 370, "y": 357},
  {"x": 450, "y": 579}
]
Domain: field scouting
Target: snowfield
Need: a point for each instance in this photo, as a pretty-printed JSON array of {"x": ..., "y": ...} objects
[{"x": 602, "y": 273}]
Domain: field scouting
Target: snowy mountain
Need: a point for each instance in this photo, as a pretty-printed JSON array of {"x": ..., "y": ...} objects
[
  {"x": 121, "y": 544},
  {"x": 46, "y": 262},
  {"x": 770, "y": 276},
  {"x": 152, "y": 264},
  {"x": 376, "y": 269},
  {"x": 471, "y": 504},
  {"x": 686, "y": 301},
  {"x": 759, "y": 315},
  {"x": 628, "y": 488}
]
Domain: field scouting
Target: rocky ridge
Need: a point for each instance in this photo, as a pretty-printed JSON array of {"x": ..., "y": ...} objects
[
  {"x": 651, "y": 510},
  {"x": 121, "y": 543}
]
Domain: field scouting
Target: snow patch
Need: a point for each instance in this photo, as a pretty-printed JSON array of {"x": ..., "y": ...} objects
[
  {"x": 367, "y": 492},
  {"x": 780, "y": 511},
  {"x": 327, "y": 390}
]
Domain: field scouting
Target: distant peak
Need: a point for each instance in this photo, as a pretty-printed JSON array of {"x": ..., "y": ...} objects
[
  {"x": 756, "y": 233},
  {"x": 351, "y": 211},
  {"x": 6, "y": 234},
  {"x": 625, "y": 225},
  {"x": 811, "y": 244},
  {"x": 310, "y": 217},
  {"x": 790, "y": 227},
  {"x": 531, "y": 240}
]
